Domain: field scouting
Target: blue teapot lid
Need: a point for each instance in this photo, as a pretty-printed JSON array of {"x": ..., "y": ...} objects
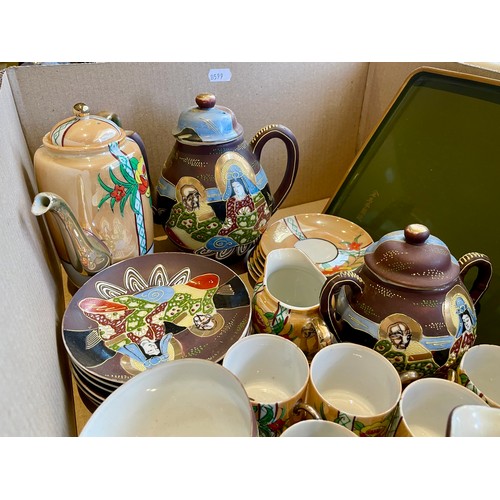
[{"x": 207, "y": 123}]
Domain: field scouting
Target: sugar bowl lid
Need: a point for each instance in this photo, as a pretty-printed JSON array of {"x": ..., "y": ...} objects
[
  {"x": 83, "y": 131},
  {"x": 207, "y": 123},
  {"x": 412, "y": 258}
]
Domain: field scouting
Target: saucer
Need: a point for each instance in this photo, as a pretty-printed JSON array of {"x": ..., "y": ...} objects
[
  {"x": 151, "y": 309},
  {"x": 332, "y": 243}
]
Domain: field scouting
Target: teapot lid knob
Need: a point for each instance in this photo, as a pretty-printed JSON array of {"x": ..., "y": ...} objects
[
  {"x": 205, "y": 101},
  {"x": 416, "y": 234},
  {"x": 80, "y": 110}
]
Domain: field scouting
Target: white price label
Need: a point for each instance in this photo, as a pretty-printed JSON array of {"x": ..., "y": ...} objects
[{"x": 219, "y": 75}]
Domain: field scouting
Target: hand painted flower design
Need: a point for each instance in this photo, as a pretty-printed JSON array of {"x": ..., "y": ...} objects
[
  {"x": 118, "y": 193},
  {"x": 353, "y": 245},
  {"x": 134, "y": 182}
]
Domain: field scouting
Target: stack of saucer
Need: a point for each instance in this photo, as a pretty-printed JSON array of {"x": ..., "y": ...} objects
[
  {"x": 332, "y": 243},
  {"x": 144, "y": 311}
]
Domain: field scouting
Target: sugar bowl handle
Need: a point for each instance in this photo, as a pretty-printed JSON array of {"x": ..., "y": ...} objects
[
  {"x": 484, "y": 273},
  {"x": 279, "y": 132},
  {"x": 328, "y": 299}
]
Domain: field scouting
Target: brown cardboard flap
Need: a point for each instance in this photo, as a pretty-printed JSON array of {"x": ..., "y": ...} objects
[{"x": 35, "y": 396}]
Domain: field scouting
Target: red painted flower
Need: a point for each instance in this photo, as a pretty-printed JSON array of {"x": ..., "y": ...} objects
[
  {"x": 277, "y": 425},
  {"x": 354, "y": 245},
  {"x": 143, "y": 186},
  {"x": 118, "y": 193}
]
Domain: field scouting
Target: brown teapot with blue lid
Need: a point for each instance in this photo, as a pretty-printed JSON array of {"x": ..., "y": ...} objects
[
  {"x": 408, "y": 301},
  {"x": 213, "y": 196}
]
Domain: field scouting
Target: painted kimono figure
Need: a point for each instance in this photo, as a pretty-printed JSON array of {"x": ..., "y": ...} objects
[
  {"x": 244, "y": 208},
  {"x": 142, "y": 328},
  {"x": 466, "y": 331}
]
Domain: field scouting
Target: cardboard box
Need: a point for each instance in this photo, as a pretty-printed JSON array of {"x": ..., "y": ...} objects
[{"x": 330, "y": 107}]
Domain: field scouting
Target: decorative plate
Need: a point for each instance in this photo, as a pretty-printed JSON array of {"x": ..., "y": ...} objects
[
  {"x": 332, "y": 243},
  {"x": 152, "y": 309}
]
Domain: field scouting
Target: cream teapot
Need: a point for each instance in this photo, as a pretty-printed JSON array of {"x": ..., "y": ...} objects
[
  {"x": 94, "y": 188},
  {"x": 408, "y": 301}
]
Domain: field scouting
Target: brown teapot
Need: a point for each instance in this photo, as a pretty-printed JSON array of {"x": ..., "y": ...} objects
[
  {"x": 408, "y": 301},
  {"x": 213, "y": 196}
]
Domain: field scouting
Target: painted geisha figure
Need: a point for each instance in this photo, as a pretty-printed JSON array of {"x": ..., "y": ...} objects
[
  {"x": 233, "y": 214},
  {"x": 143, "y": 326},
  {"x": 246, "y": 209},
  {"x": 192, "y": 220},
  {"x": 399, "y": 340},
  {"x": 466, "y": 323}
]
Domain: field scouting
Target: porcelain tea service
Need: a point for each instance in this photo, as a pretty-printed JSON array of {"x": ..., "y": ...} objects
[
  {"x": 213, "y": 196},
  {"x": 94, "y": 188}
]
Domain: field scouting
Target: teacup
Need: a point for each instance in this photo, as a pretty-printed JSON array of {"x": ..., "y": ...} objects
[
  {"x": 479, "y": 371},
  {"x": 474, "y": 421},
  {"x": 317, "y": 428},
  {"x": 188, "y": 397},
  {"x": 355, "y": 387},
  {"x": 286, "y": 300},
  {"x": 426, "y": 405},
  {"x": 274, "y": 373}
]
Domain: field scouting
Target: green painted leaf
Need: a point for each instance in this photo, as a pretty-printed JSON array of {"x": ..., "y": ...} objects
[
  {"x": 115, "y": 179},
  {"x": 104, "y": 200},
  {"x": 103, "y": 185},
  {"x": 124, "y": 171}
]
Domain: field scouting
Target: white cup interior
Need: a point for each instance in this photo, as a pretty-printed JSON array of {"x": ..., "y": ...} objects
[
  {"x": 271, "y": 368},
  {"x": 185, "y": 397},
  {"x": 474, "y": 421},
  {"x": 426, "y": 405},
  {"x": 317, "y": 428},
  {"x": 481, "y": 363},
  {"x": 292, "y": 279},
  {"x": 355, "y": 379}
]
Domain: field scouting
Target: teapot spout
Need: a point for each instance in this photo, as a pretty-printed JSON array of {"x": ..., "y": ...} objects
[{"x": 87, "y": 254}]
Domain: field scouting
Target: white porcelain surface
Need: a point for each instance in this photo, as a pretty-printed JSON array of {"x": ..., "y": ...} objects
[
  {"x": 271, "y": 368},
  {"x": 427, "y": 403},
  {"x": 474, "y": 421},
  {"x": 481, "y": 364},
  {"x": 317, "y": 428},
  {"x": 185, "y": 397},
  {"x": 355, "y": 379}
]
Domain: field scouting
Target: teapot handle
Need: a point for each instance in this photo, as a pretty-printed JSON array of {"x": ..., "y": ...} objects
[
  {"x": 331, "y": 288},
  {"x": 292, "y": 149},
  {"x": 484, "y": 273}
]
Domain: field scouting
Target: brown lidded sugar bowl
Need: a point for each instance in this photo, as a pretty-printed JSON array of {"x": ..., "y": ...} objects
[
  {"x": 408, "y": 302},
  {"x": 213, "y": 196}
]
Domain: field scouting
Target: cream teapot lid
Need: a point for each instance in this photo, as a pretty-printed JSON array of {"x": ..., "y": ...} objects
[
  {"x": 412, "y": 258},
  {"x": 207, "y": 123},
  {"x": 83, "y": 130}
]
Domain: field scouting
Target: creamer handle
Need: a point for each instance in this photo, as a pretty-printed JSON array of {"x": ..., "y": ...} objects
[{"x": 331, "y": 288}]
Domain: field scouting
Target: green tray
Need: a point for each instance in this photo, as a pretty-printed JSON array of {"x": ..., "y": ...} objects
[{"x": 434, "y": 159}]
